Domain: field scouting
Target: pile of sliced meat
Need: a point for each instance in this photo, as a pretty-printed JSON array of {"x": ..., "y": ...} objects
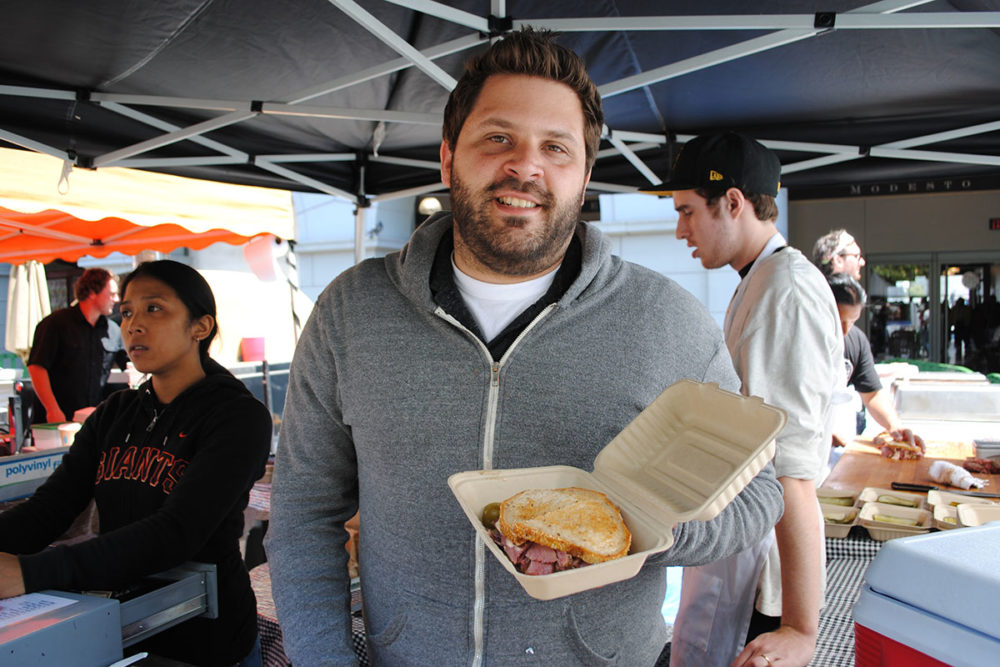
[
  {"x": 534, "y": 558},
  {"x": 900, "y": 450},
  {"x": 982, "y": 466}
]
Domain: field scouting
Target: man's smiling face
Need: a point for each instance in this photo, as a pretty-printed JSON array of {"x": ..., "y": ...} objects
[{"x": 518, "y": 176}]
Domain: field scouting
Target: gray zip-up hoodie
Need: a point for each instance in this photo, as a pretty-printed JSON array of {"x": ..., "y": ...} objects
[{"x": 389, "y": 395}]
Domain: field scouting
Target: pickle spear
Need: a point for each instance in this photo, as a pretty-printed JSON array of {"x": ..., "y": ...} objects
[
  {"x": 839, "y": 517},
  {"x": 846, "y": 501},
  {"x": 885, "y": 518},
  {"x": 896, "y": 500}
]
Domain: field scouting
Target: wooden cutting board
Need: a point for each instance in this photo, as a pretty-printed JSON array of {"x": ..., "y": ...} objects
[{"x": 862, "y": 465}]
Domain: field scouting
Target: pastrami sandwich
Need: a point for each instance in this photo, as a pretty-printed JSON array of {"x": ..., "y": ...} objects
[
  {"x": 549, "y": 530},
  {"x": 899, "y": 450}
]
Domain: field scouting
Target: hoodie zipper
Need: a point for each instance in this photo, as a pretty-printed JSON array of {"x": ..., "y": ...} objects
[{"x": 478, "y": 631}]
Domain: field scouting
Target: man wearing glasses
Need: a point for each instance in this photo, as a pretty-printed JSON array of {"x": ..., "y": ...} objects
[
  {"x": 838, "y": 252},
  {"x": 835, "y": 254}
]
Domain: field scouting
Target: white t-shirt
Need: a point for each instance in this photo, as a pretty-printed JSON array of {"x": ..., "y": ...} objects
[{"x": 496, "y": 305}]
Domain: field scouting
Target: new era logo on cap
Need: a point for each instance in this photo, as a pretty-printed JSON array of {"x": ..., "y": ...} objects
[{"x": 728, "y": 159}]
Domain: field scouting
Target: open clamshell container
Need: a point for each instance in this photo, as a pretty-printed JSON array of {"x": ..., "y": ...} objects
[{"x": 683, "y": 458}]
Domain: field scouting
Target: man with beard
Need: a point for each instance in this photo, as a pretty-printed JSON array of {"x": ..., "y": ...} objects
[{"x": 504, "y": 335}]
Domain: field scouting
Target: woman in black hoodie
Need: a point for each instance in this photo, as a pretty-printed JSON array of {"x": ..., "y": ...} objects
[{"x": 170, "y": 466}]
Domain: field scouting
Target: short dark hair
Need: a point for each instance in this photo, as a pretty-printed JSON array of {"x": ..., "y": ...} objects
[
  {"x": 191, "y": 288},
  {"x": 846, "y": 290},
  {"x": 531, "y": 53},
  {"x": 93, "y": 281},
  {"x": 765, "y": 207}
]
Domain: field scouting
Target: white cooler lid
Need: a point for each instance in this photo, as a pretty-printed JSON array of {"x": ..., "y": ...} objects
[{"x": 952, "y": 574}]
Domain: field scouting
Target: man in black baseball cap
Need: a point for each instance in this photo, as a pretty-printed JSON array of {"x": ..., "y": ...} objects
[
  {"x": 728, "y": 160},
  {"x": 782, "y": 331}
]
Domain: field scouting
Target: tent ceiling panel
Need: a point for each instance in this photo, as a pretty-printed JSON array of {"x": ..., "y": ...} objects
[{"x": 372, "y": 76}]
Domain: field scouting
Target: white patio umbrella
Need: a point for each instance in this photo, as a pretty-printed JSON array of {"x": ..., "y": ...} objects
[{"x": 27, "y": 304}]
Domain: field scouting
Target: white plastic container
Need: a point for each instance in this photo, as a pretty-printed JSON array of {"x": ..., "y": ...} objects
[
  {"x": 833, "y": 526},
  {"x": 937, "y": 497},
  {"x": 945, "y": 517},
  {"x": 837, "y": 497},
  {"x": 683, "y": 458},
  {"x": 871, "y": 494},
  {"x": 881, "y": 531},
  {"x": 46, "y": 436},
  {"x": 977, "y": 514}
]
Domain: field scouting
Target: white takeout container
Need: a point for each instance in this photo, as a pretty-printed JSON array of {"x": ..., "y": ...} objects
[
  {"x": 683, "y": 458},
  {"x": 947, "y": 498},
  {"x": 945, "y": 517},
  {"x": 46, "y": 436},
  {"x": 825, "y": 492},
  {"x": 882, "y": 531},
  {"x": 976, "y": 514},
  {"x": 834, "y": 528},
  {"x": 871, "y": 494}
]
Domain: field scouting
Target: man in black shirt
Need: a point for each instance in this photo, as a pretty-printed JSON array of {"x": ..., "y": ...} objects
[{"x": 73, "y": 350}]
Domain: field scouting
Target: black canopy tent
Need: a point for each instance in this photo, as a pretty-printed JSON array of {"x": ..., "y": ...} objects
[{"x": 345, "y": 96}]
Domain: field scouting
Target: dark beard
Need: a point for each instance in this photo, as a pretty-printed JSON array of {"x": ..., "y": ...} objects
[{"x": 502, "y": 251}]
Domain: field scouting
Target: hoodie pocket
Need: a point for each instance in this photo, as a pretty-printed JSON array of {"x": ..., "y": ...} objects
[{"x": 582, "y": 651}]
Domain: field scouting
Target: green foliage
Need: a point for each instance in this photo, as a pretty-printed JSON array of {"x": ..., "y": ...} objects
[{"x": 892, "y": 273}]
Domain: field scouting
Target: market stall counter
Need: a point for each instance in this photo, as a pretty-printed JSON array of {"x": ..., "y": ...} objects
[{"x": 862, "y": 467}]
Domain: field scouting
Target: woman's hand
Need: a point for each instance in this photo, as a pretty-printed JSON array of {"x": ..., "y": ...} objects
[{"x": 11, "y": 579}]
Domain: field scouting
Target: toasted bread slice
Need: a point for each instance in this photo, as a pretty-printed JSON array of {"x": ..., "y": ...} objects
[{"x": 581, "y": 522}]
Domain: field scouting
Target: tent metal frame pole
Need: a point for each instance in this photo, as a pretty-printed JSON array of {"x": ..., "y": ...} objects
[
  {"x": 152, "y": 121},
  {"x": 935, "y": 156},
  {"x": 434, "y": 52},
  {"x": 309, "y": 157},
  {"x": 611, "y": 187},
  {"x": 410, "y": 192},
  {"x": 359, "y": 234},
  {"x": 108, "y": 159},
  {"x": 736, "y": 51},
  {"x": 395, "y": 42},
  {"x": 303, "y": 180},
  {"x": 844, "y": 21},
  {"x": 948, "y": 135},
  {"x": 634, "y": 159},
  {"x": 343, "y": 113},
  {"x": 164, "y": 162},
  {"x": 407, "y": 162},
  {"x": 443, "y": 11},
  {"x": 31, "y": 144}
]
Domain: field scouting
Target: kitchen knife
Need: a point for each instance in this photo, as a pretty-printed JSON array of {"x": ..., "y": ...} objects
[{"x": 903, "y": 486}]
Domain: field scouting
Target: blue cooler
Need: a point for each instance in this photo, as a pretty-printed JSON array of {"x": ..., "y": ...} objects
[{"x": 932, "y": 599}]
